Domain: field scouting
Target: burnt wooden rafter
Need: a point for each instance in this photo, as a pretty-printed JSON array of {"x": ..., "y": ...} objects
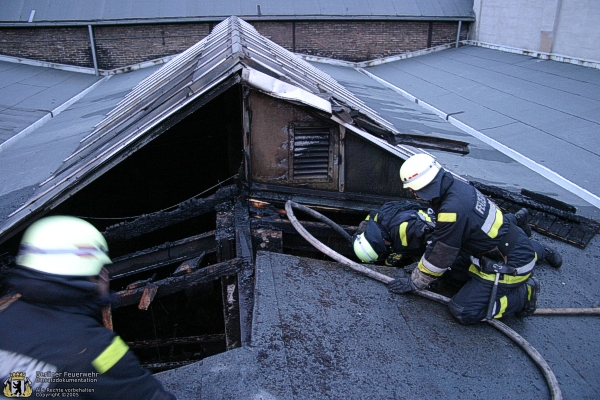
[
  {"x": 225, "y": 237},
  {"x": 189, "y": 266},
  {"x": 244, "y": 251},
  {"x": 147, "y": 296},
  {"x": 358, "y": 203},
  {"x": 175, "y": 284},
  {"x": 162, "y": 255},
  {"x": 163, "y": 219}
]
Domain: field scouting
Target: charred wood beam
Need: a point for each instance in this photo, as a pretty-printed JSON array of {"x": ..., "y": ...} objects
[
  {"x": 162, "y": 219},
  {"x": 141, "y": 344},
  {"x": 225, "y": 237},
  {"x": 292, "y": 240},
  {"x": 189, "y": 266},
  {"x": 245, "y": 278},
  {"x": 149, "y": 292},
  {"x": 162, "y": 255},
  {"x": 175, "y": 284},
  {"x": 317, "y": 229},
  {"x": 231, "y": 312},
  {"x": 358, "y": 203}
]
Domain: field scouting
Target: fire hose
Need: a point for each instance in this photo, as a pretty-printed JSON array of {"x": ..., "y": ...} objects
[{"x": 555, "y": 392}]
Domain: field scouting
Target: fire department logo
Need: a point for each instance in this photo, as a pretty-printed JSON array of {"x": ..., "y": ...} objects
[{"x": 17, "y": 385}]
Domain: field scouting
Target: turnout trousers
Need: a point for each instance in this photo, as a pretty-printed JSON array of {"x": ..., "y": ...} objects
[{"x": 470, "y": 304}]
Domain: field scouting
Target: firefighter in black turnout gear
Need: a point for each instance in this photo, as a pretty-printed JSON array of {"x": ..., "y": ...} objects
[
  {"x": 397, "y": 234},
  {"x": 502, "y": 255},
  {"x": 52, "y": 320},
  {"x": 397, "y": 230}
]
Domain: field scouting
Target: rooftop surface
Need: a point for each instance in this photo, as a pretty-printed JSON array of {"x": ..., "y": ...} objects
[
  {"x": 33, "y": 156},
  {"x": 541, "y": 117},
  {"x": 29, "y": 93},
  {"x": 321, "y": 330}
]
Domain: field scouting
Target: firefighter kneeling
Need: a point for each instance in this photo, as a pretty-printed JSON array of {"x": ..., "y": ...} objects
[{"x": 498, "y": 277}]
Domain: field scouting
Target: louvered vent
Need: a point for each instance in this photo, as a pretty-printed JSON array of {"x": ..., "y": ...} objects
[{"x": 311, "y": 153}]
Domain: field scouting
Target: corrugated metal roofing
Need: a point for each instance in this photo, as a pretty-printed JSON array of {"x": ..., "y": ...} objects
[
  {"x": 123, "y": 11},
  {"x": 232, "y": 53}
]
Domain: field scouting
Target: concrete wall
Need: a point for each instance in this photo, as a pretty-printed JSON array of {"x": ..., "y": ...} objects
[
  {"x": 121, "y": 45},
  {"x": 565, "y": 27}
]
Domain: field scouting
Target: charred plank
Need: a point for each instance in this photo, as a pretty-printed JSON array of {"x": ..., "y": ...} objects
[
  {"x": 162, "y": 255},
  {"x": 155, "y": 367},
  {"x": 350, "y": 202},
  {"x": 175, "y": 284},
  {"x": 147, "y": 296},
  {"x": 549, "y": 201},
  {"x": 317, "y": 229},
  {"x": 246, "y": 276},
  {"x": 162, "y": 219},
  {"x": 225, "y": 236},
  {"x": 189, "y": 266}
]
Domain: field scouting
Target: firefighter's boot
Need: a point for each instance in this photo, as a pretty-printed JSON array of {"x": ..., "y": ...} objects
[
  {"x": 533, "y": 290},
  {"x": 523, "y": 217},
  {"x": 552, "y": 257}
]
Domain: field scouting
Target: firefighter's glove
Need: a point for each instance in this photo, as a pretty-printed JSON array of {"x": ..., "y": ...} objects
[
  {"x": 394, "y": 260},
  {"x": 402, "y": 285}
]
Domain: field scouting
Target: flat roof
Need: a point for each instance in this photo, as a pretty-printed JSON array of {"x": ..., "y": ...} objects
[
  {"x": 322, "y": 331},
  {"x": 536, "y": 121}
]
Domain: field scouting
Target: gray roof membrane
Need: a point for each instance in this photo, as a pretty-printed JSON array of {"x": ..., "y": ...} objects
[
  {"x": 483, "y": 164},
  {"x": 545, "y": 110},
  {"x": 35, "y": 157},
  {"x": 29, "y": 93},
  {"x": 323, "y": 331},
  {"x": 111, "y": 11}
]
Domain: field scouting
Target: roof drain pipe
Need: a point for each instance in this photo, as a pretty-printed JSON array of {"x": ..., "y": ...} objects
[
  {"x": 555, "y": 392},
  {"x": 93, "y": 48}
]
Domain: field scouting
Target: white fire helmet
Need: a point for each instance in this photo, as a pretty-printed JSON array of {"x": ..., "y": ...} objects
[
  {"x": 418, "y": 171},
  {"x": 63, "y": 245}
]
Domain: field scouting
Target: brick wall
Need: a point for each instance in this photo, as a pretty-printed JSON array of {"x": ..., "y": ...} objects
[
  {"x": 445, "y": 32},
  {"x": 122, "y": 45},
  {"x": 60, "y": 45},
  {"x": 281, "y": 33},
  {"x": 360, "y": 40}
]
